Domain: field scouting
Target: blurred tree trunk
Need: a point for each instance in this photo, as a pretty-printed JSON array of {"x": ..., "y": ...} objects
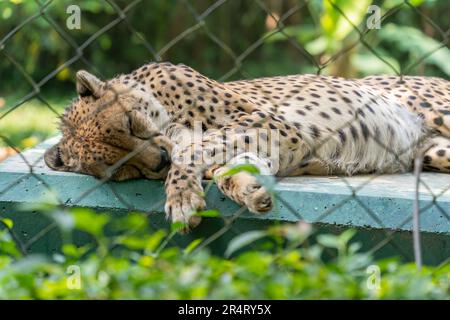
[{"x": 342, "y": 66}]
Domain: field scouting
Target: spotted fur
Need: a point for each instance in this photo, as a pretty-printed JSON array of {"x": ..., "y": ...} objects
[{"x": 324, "y": 125}]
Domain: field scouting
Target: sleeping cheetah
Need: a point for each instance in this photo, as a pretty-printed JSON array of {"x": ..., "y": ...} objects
[{"x": 139, "y": 125}]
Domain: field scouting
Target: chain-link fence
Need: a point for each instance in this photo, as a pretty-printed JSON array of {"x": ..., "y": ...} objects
[{"x": 277, "y": 21}]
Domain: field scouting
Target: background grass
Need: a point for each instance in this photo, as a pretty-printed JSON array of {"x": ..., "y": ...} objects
[{"x": 31, "y": 122}]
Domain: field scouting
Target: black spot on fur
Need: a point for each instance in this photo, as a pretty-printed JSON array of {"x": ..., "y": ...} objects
[
  {"x": 438, "y": 121},
  {"x": 441, "y": 153}
]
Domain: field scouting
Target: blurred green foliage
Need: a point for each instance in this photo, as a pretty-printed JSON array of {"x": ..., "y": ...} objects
[
  {"x": 211, "y": 38},
  {"x": 136, "y": 263},
  {"x": 322, "y": 27}
]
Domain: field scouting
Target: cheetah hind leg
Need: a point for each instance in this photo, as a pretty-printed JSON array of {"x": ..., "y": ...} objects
[
  {"x": 243, "y": 187},
  {"x": 437, "y": 157}
]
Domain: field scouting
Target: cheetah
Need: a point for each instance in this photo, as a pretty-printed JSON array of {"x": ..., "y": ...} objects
[{"x": 140, "y": 125}]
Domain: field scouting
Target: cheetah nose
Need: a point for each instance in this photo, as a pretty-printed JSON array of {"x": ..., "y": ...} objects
[{"x": 165, "y": 160}]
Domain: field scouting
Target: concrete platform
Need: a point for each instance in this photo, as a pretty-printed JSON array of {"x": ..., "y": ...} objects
[
  {"x": 379, "y": 207},
  {"x": 382, "y": 202}
]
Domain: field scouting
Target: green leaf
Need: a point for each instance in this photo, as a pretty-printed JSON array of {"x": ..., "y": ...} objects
[
  {"x": 244, "y": 240},
  {"x": 417, "y": 44},
  {"x": 354, "y": 247},
  {"x": 89, "y": 221},
  {"x": 389, "y": 4},
  {"x": 155, "y": 239},
  {"x": 369, "y": 64},
  {"x": 337, "y": 242},
  {"x": 416, "y": 3},
  {"x": 194, "y": 244},
  {"x": 317, "y": 45},
  {"x": 133, "y": 221},
  {"x": 336, "y": 27},
  {"x": 73, "y": 251},
  {"x": 256, "y": 262},
  {"x": 8, "y": 223},
  {"x": 346, "y": 236},
  {"x": 133, "y": 242},
  {"x": 250, "y": 168},
  {"x": 328, "y": 240},
  {"x": 7, "y": 245},
  {"x": 208, "y": 213},
  {"x": 177, "y": 226},
  {"x": 303, "y": 33}
]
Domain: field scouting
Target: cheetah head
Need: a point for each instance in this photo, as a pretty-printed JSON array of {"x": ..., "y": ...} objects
[{"x": 112, "y": 130}]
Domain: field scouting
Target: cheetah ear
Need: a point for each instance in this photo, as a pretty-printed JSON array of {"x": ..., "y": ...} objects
[
  {"x": 53, "y": 160},
  {"x": 89, "y": 85}
]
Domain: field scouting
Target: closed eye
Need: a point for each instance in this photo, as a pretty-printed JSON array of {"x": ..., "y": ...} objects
[
  {"x": 130, "y": 125},
  {"x": 139, "y": 126},
  {"x": 130, "y": 128}
]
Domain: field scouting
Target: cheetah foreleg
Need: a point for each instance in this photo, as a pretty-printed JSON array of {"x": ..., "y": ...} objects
[
  {"x": 223, "y": 149},
  {"x": 184, "y": 193}
]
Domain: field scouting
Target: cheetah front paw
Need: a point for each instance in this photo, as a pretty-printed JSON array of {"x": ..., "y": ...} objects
[
  {"x": 181, "y": 207},
  {"x": 257, "y": 199}
]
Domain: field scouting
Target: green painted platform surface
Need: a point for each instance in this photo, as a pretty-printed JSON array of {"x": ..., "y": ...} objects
[
  {"x": 383, "y": 202},
  {"x": 380, "y": 207}
]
